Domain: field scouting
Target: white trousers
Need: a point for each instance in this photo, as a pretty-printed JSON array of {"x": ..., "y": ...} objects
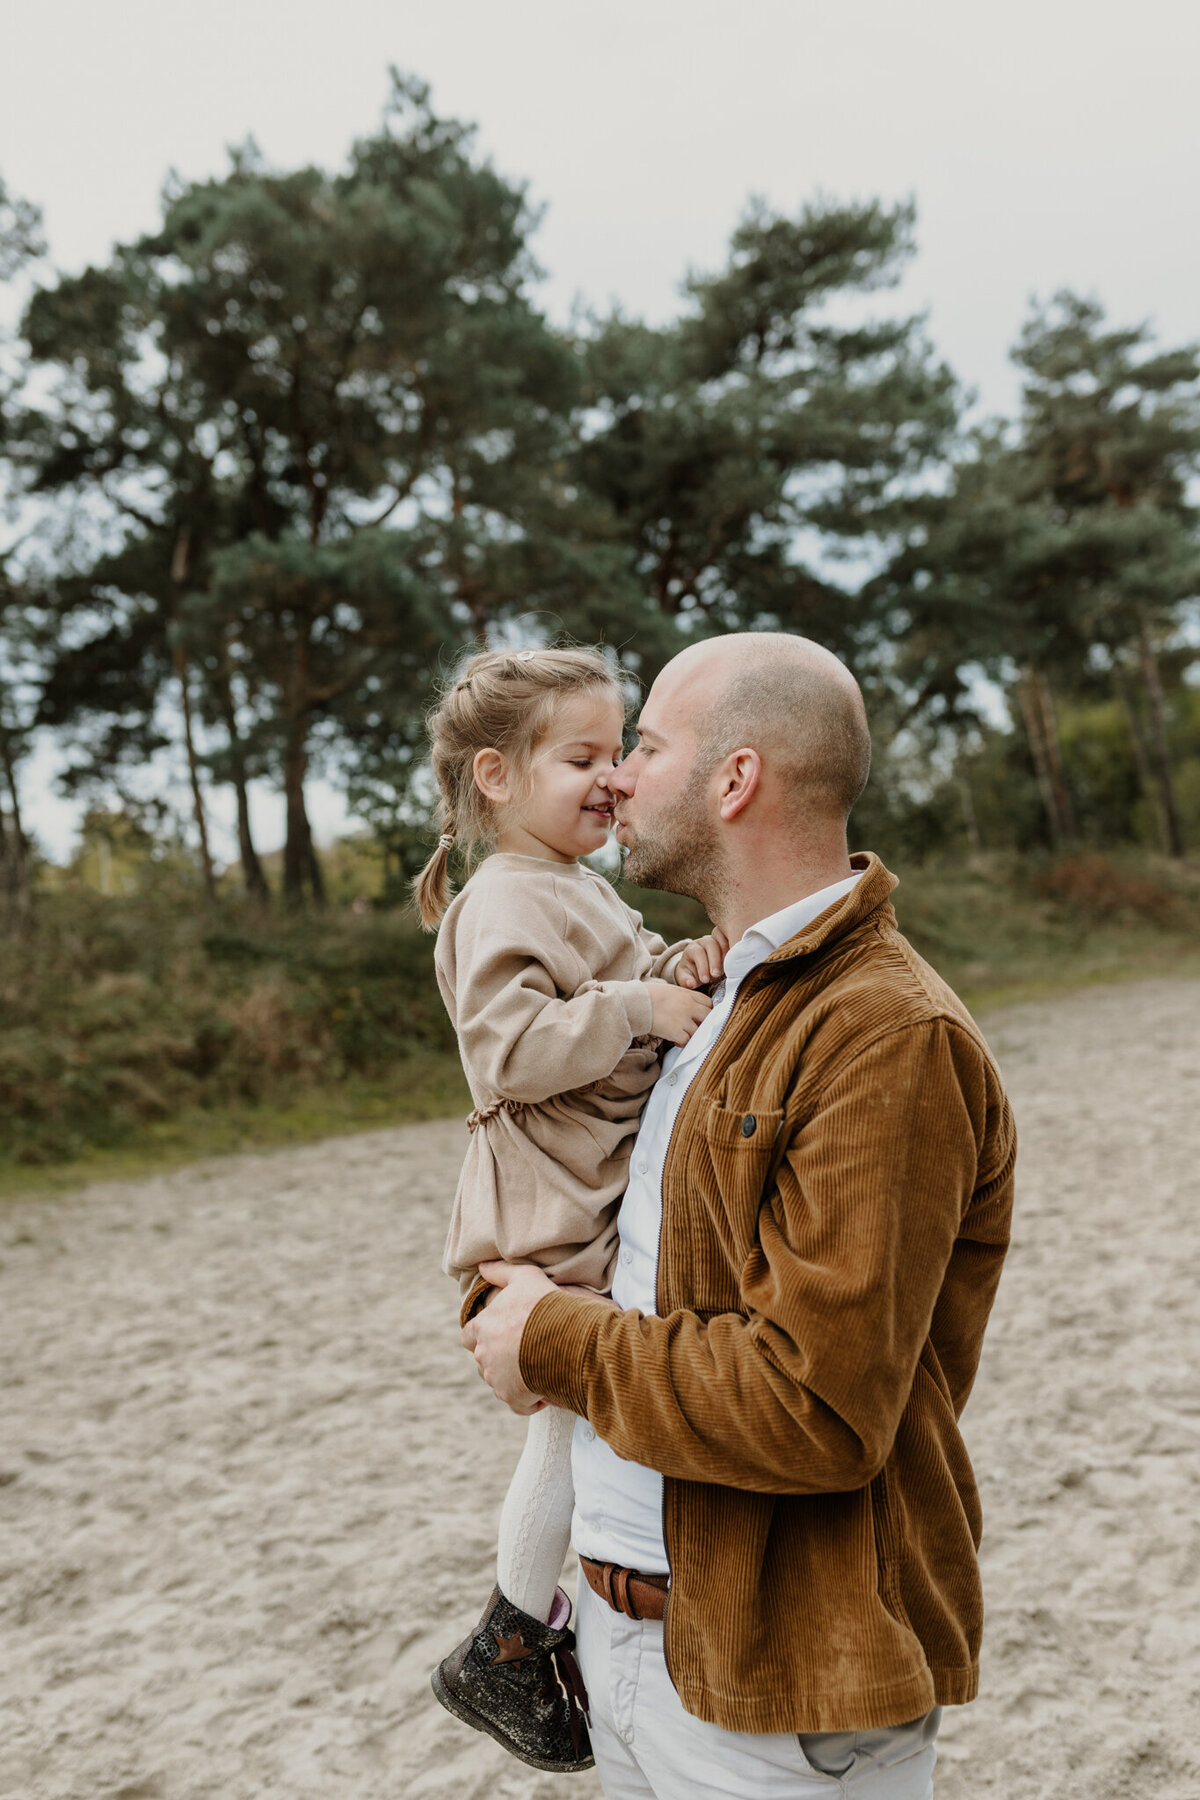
[{"x": 648, "y": 1748}]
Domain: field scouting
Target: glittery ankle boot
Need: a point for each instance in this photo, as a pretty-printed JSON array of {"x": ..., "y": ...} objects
[{"x": 517, "y": 1679}]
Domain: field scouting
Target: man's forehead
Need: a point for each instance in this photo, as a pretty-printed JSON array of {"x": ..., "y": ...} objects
[{"x": 675, "y": 699}]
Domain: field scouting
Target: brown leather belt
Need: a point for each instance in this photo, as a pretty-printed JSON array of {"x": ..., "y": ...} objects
[{"x": 625, "y": 1590}]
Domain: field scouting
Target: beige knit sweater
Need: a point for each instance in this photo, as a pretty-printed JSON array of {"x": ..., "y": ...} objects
[{"x": 543, "y": 969}]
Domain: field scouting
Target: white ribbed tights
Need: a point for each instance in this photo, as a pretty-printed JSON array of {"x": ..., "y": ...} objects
[{"x": 535, "y": 1520}]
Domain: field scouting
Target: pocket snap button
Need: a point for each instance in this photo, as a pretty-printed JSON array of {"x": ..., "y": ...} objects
[{"x": 749, "y": 1125}]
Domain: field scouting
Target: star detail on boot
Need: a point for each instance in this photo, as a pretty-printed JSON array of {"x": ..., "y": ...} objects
[{"x": 510, "y": 1649}]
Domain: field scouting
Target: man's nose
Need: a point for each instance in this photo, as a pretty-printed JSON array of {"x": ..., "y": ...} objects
[{"x": 623, "y": 779}]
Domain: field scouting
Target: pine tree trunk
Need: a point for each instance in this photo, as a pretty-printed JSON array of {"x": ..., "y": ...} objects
[
  {"x": 1066, "y": 811},
  {"x": 300, "y": 865},
  {"x": 189, "y": 737},
  {"x": 1032, "y": 713},
  {"x": 1156, "y": 706},
  {"x": 297, "y": 842},
  {"x": 1141, "y": 757},
  {"x": 10, "y": 873},
  {"x": 253, "y": 875},
  {"x": 180, "y": 563},
  {"x": 316, "y": 876},
  {"x": 967, "y": 800},
  {"x": 16, "y": 893}
]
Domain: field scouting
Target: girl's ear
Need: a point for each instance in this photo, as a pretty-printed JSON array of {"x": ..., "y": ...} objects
[{"x": 490, "y": 769}]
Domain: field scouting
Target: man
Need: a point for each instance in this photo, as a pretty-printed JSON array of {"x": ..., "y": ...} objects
[{"x": 775, "y": 1513}]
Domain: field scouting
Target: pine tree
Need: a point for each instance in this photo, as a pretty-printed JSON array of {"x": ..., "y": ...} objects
[
  {"x": 20, "y": 244},
  {"x": 1111, "y": 434},
  {"x": 749, "y": 452},
  {"x": 325, "y": 417}
]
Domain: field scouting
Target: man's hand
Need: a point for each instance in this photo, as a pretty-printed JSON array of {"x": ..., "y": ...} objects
[
  {"x": 493, "y": 1336},
  {"x": 703, "y": 960}
]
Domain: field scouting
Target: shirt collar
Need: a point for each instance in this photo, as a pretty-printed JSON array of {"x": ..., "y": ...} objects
[{"x": 757, "y": 941}]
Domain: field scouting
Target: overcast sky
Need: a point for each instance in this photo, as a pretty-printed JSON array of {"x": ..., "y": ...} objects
[{"x": 1046, "y": 144}]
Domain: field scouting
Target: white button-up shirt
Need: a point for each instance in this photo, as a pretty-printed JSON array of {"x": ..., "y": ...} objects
[{"x": 618, "y": 1504}]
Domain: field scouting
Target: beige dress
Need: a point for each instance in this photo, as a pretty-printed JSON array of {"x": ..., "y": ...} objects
[{"x": 543, "y": 968}]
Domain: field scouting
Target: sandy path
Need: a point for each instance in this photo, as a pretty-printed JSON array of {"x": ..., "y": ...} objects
[{"x": 247, "y": 1479}]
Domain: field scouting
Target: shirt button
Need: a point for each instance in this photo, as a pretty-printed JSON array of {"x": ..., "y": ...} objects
[
  {"x": 627, "y": 1257},
  {"x": 642, "y": 1167},
  {"x": 589, "y": 1434},
  {"x": 671, "y": 1080}
]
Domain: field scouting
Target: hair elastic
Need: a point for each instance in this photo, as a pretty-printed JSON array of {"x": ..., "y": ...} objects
[{"x": 446, "y": 841}]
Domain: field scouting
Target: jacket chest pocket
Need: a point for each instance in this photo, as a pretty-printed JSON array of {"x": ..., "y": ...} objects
[{"x": 739, "y": 1149}]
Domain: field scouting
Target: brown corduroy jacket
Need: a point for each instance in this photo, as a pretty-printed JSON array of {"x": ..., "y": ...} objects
[{"x": 836, "y": 1204}]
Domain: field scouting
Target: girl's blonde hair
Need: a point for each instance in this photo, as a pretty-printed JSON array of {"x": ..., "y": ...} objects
[{"x": 499, "y": 700}]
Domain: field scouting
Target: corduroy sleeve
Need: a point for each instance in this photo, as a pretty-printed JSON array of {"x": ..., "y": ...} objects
[
  {"x": 522, "y": 1028},
  {"x": 803, "y": 1390}
]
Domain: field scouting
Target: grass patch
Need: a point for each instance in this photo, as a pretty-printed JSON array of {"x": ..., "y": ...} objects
[
  {"x": 145, "y": 1031},
  {"x": 430, "y": 1087},
  {"x": 1001, "y": 931}
]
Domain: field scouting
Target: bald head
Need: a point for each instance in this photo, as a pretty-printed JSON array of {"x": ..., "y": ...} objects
[{"x": 787, "y": 698}]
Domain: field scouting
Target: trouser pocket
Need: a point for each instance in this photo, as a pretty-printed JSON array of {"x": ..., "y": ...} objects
[{"x": 894, "y": 1762}]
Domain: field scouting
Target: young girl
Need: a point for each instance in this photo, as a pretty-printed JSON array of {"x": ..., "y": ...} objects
[{"x": 560, "y": 997}]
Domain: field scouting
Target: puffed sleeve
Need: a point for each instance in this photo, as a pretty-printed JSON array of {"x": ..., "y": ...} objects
[
  {"x": 663, "y": 956},
  {"x": 527, "y": 1027}
]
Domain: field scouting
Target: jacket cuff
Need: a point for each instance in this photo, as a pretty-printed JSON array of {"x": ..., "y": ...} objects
[{"x": 558, "y": 1348}]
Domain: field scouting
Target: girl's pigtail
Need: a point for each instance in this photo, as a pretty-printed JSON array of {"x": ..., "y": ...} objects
[{"x": 431, "y": 888}]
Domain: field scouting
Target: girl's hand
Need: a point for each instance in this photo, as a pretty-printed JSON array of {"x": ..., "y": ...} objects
[
  {"x": 703, "y": 960},
  {"x": 674, "y": 1013}
]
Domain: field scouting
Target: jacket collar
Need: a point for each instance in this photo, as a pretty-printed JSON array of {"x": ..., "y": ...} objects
[{"x": 865, "y": 898}]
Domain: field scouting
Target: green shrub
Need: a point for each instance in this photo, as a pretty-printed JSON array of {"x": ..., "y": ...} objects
[{"x": 122, "y": 1011}]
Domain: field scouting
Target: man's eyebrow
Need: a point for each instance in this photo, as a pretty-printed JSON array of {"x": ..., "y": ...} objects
[{"x": 644, "y": 731}]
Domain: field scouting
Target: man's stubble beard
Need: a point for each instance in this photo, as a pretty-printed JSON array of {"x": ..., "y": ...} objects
[{"x": 678, "y": 851}]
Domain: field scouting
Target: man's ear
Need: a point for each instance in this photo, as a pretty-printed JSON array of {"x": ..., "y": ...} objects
[
  {"x": 740, "y": 775},
  {"x": 490, "y": 769}
]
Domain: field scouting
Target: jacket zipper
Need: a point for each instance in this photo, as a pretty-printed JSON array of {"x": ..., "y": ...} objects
[
  {"x": 658, "y": 1304},
  {"x": 741, "y": 995}
]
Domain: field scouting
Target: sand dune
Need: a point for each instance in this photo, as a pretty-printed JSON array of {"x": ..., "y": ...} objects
[{"x": 248, "y": 1480}]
